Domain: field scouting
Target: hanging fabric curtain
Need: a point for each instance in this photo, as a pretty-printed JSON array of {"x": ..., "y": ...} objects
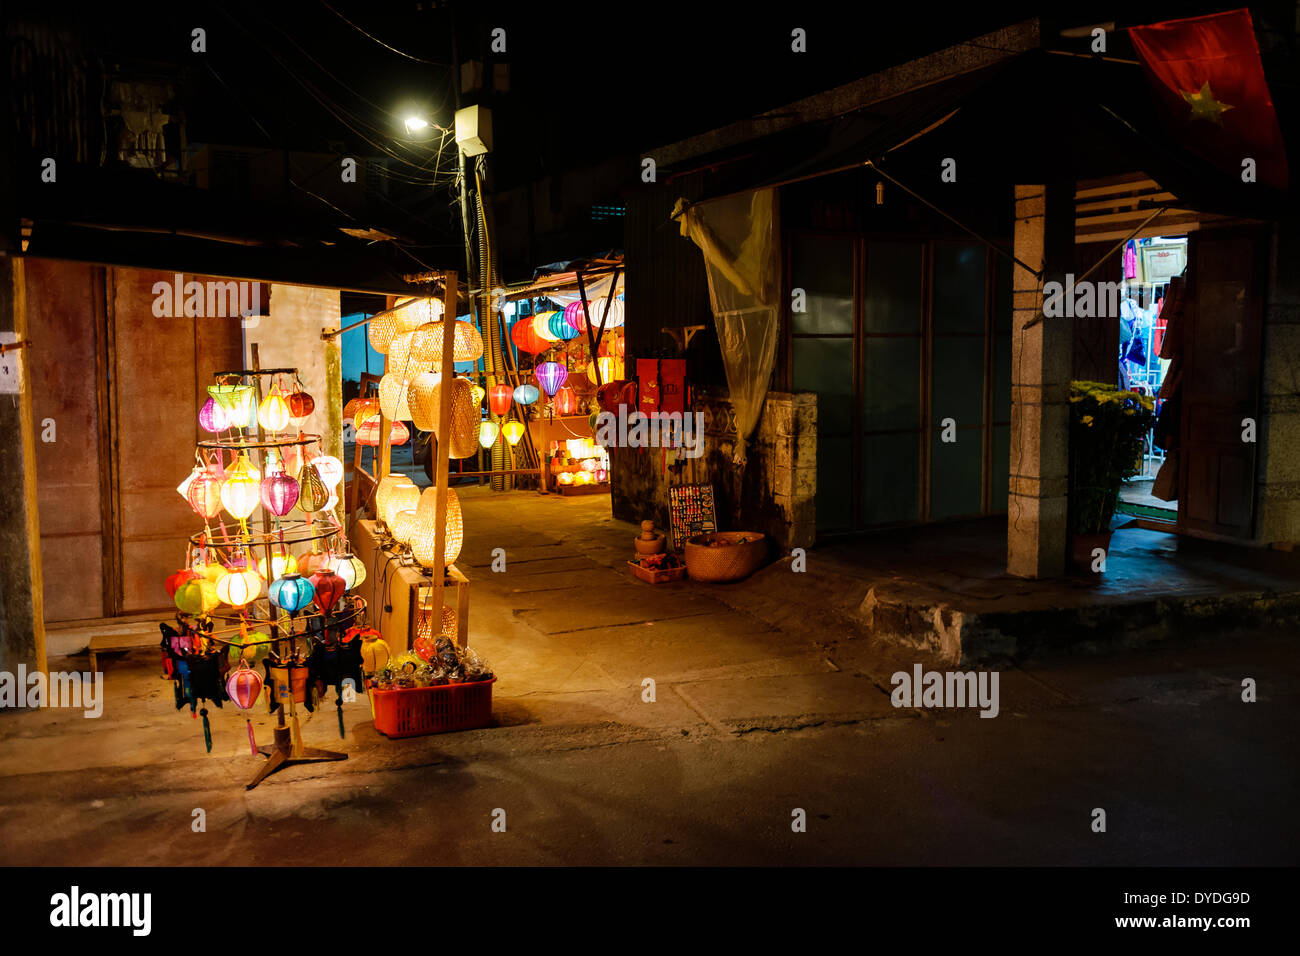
[{"x": 737, "y": 235}]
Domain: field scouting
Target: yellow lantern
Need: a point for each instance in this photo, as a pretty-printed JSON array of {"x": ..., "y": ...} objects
[
  {"x": 400, "y": 360},
  {"x": 479, "y": 393},
  {"x": 273, "y": 413},
  {"x": 466, "y": 346},
  {"x": 404, "y": 525},
  {"x": 422, "y": 399},
  {"x": 238, "y": 588},
  {"x": 240, "y": 493},
  {"x": 487, "y": 433},
  {"x": 400, "y": 498},
  {"x": 281, "y": 564},
  {"x": 386, "y": 485},
  {"x": 611, "y": 369},
  {"x": 423, "y": 538},
  {"x": 392, "y": 398},
  {"x": 513, "y": 431},
  {"x": 406, "y": 316}
]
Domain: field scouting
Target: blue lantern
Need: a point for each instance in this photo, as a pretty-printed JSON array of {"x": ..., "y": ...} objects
[
  {"x": 291, "y": 593},
  {"x": 527, "y": 394},
  {"x": 560, "y": 327}
]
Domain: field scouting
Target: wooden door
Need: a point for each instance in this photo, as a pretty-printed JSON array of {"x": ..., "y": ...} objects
[{"x": 1221, "y": 382}]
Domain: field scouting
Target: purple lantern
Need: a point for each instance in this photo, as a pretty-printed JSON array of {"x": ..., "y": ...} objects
[
  {"x": 212, "y": 417},
  {"x": 551, "y": 375},
  {"x": 574, "y": 315},
  {"x": 279, "y": 494}
]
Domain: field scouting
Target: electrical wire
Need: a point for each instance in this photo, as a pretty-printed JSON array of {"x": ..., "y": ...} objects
[{"x": 372, "y": 37}]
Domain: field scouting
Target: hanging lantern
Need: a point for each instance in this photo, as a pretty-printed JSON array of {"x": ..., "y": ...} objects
[
  {"x": 542, "y": 328},
  {"x": 350, "y": 568},
  {"x": 212, "y": 417},
  {"x": 273, "y": 413},
  {"x": 479, "y": 393},
  {"x": 620, "y": 345},
  {"x": 291, "y": 593},
  {"x": 236, "y": 401},
  {"x": 575, "y": 317},
  {"x": 385, "y": 487},
  {"x": 422, "y": 398},
  {"x": 183, "y": 488},
  {"x": 174, "y": 581},
  {"x": 238, "y": 588},
  {"x": 465, "y": 418},
  {"x": 301, "y": 405},
  {"x": 368, "y": 434},
  {"x": 197, "y": 596},
  {"x": 392, "y": 398},
  {"x": 527, "y": 394},
  {"x": 240, "y": 493},
  {"x": 204, "y": 494},
  {"x": 330, "y": 468},
  {"x": 611, "y": 369},
  {"x": 329, "y": 588},
  {"x": 244, "y": 686},
  {"x": 566, "y": 400},
  {"x": 278, "y": 493},
  {"x": 406, "y": 316},
  {"x": 312, "y": 493},
  {"x": 525, "y": 338},
  {"x": 404, "y": 525},
  {"x": 551, "y": 375},
  {"x": 352, "y": 411},
  {"x": 424, "y": 536},
  {"x": 400, "y": 361},
  {"x": 561, "y": 329},
  {"x": 466, "y": 346},
  {"x": 513, "y": 431},
  {"x": 499, "y": 397},
  {"x": 281, "y": 564},
  {"x": 615, "y": 317},
  {"x": 314, "y": 561},
  {"x": 487, "y": 433}
]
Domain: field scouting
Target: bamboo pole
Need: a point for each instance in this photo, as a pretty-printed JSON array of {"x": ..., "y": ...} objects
[{"x": 441, "y": 462}]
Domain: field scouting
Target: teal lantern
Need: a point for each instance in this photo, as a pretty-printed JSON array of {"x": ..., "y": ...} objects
[
  {"x": 527, "y": 394},
  {"x": 291, "y": 593}
]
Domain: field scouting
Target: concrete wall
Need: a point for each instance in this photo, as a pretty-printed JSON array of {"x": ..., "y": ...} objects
[
  {"x": 774, "y": 493},
  {"x": 1277, "y": 467}
]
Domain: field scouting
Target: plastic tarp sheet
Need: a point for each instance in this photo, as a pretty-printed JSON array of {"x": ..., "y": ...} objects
[{"x": 737, "y": 235}]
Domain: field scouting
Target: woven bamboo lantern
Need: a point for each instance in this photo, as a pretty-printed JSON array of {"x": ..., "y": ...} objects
[
  {"x": 407, "y": 316},
  {"x": 400, "y": 498},
  {"x": 400, "y": 360},
  {"x": 404, "y": 525},
  {"x": 422, "y": 397},
  {"x": 423, "y": 539},
  {"x": 426, "y": 343},
  {"x": 393, "y": 399},
  {"x": 465, "y": 418},
  {"x": 385, "y": 486}
]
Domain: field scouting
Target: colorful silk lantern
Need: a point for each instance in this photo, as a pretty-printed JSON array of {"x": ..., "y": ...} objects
[
  {"x": 487, "y": 433},
  {"x": 244, "y": 686},
  {"x": 615, "y": 317},
  {"x": 301, "y": 405},
  {"x": 240, "y": 494},
  {"x": 526, "y": 394},
  {"x": 575, "y": 317},
  {"x": 314, "y": 561},
  {"x": 278, "y": 493},
  {"x": 368, "y": 434},
  {"x": 329, "y": 588},
  {"x": 204, "y": 494},
  {"x": 479, "y": 393},
  {"x": 291, "y": 593},
  {"x": 350, "y": 568},
  {"x": 237, "y": 588},
  {"x": 611, "y": 369},
  {"x": 197, "y": 596},
  {"x": 273, "y": 413},
  {"x": 566, "y": 400},
  {"x": 513, "y": 431},
  {"x": 561, "y": 329},
  {"x": 542, "y": 328},
  {"x": 312, "y": 493},
  {"x": 551, "y": 375},
  {"x": 236, "y": 401},
  {"x": 174, "y": 581},
  {"x": 212, "y": 417},
  {"x": 525, "y": 338},
  {"x": 499, "y": 398},
  {"x": 281, "y": 564}
]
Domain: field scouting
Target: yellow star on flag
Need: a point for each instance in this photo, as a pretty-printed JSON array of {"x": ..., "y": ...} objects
[{"x": 1205, "y": 106}]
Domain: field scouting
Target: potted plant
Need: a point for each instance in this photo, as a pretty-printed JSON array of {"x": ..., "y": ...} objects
[{"x": 1107, "y": 428}]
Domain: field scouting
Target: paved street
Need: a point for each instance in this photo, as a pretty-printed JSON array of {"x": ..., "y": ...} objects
[{"x": 755, "y": 716}]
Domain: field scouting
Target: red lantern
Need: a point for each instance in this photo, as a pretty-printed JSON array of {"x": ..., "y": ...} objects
[
  {"x": 525, "y": 336},
  {"x": 566, "y": 400},
  {"x": 244, "y": 686},
  {"x": 300, "y": 404},
  {"x": 329, "y": 588},
  {"x": 314, "y": 561},
  {"x": 368, "y": 433},
  {"x": 499, "y": 398},
  {"x": 174, "y": 581}
]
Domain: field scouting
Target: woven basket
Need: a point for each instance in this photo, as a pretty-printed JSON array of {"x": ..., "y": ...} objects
[
  {"x": 729, "y": 562},
  {"x": 465, "y": 418}
]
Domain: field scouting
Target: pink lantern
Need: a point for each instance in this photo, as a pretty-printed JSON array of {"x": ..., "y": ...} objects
[
  {"x": 212, "y": 417},
  {"x": 574, "y": 315},
  {"x": 279, "y": 493},
  {"x": 244, "y": 686},
  {"x": 329, "y": 588},
  {"x": 204, "y": 494},
  {"x": 551, "y": 375},
  {"x": 314, "y": 561}
]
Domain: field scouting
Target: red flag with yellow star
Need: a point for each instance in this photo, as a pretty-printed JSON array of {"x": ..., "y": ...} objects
[{"x": 1207, "y": 73}]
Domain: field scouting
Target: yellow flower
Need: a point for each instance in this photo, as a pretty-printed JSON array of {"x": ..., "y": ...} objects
[{"x": 1087, "y": 420}]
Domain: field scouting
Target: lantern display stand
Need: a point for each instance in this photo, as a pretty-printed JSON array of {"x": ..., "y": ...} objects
[{"x": 266, "y": 457}]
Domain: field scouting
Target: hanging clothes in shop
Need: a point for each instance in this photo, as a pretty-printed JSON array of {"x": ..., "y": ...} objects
[
  {"x": 1130, "y": 260},
  {"x": 1168, "y": 426}
]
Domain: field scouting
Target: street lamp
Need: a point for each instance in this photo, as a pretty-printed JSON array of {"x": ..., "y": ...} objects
[{"x": 415, "y": 123}]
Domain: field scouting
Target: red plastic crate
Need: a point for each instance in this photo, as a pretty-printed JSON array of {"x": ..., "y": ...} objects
[{"x": 413, "y": 711}]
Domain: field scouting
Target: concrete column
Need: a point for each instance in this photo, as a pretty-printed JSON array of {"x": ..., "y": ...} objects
[
  {"x": 22, "y": 613},
  {"x": 1277, "y": 467},
  {"x": 1041, "y": 360}
]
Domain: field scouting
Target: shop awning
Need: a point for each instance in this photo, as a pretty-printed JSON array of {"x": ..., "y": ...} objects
[{"x": 130, "y": 218}]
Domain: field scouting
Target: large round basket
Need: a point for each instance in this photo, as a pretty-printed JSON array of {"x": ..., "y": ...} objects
[{"x": 725, "y": 555}]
